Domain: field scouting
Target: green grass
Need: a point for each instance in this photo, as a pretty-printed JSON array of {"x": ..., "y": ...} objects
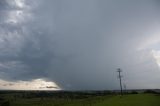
[
  {"x": 112, "y": 100},
  {"x": 132, "y": 100},
  {"x": 126, "y": 100}
]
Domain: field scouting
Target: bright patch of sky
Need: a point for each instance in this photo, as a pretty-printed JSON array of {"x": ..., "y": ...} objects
[{"x": 35, "y": 84}]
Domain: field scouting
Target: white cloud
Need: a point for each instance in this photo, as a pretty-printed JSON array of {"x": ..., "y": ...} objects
[
  {"x": 20, "y": 3},
  {"x": 17, "y": 3},
  {"x": 35, "y": 84},
  {"x": 156, "y": 55}
]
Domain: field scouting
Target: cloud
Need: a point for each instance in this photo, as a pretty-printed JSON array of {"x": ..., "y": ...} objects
[
  {"x": 79, "y": 44},
  {"x": 35, "y": 84}
]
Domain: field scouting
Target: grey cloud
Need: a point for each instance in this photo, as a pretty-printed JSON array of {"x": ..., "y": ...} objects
[{"x": 80, "y": 44}]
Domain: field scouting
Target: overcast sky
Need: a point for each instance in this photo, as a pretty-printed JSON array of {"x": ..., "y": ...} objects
[{"x": 79, "y": 44}]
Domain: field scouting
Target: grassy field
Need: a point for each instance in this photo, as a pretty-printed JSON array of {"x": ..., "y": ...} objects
[
  {"x": 110, "y": 100},
  {"x": 132, "y": 100}
]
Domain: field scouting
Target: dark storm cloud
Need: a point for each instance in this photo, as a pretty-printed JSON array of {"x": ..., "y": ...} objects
[{"x": 79, "y": 44}]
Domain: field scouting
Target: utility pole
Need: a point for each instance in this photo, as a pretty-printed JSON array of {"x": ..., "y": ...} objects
[{"x": 119, "y": 76}]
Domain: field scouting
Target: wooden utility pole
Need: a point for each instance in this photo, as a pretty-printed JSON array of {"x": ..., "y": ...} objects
[{"x": 120, "y": 80}]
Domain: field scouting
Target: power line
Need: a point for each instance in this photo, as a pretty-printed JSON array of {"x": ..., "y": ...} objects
[{"x": 120, "y": 80}]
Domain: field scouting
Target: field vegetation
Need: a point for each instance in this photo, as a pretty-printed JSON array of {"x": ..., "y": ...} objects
[{"x": 63, "y": 98}]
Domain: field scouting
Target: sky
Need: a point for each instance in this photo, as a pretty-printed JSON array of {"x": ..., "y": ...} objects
[{"x": 79, "y": 44}]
